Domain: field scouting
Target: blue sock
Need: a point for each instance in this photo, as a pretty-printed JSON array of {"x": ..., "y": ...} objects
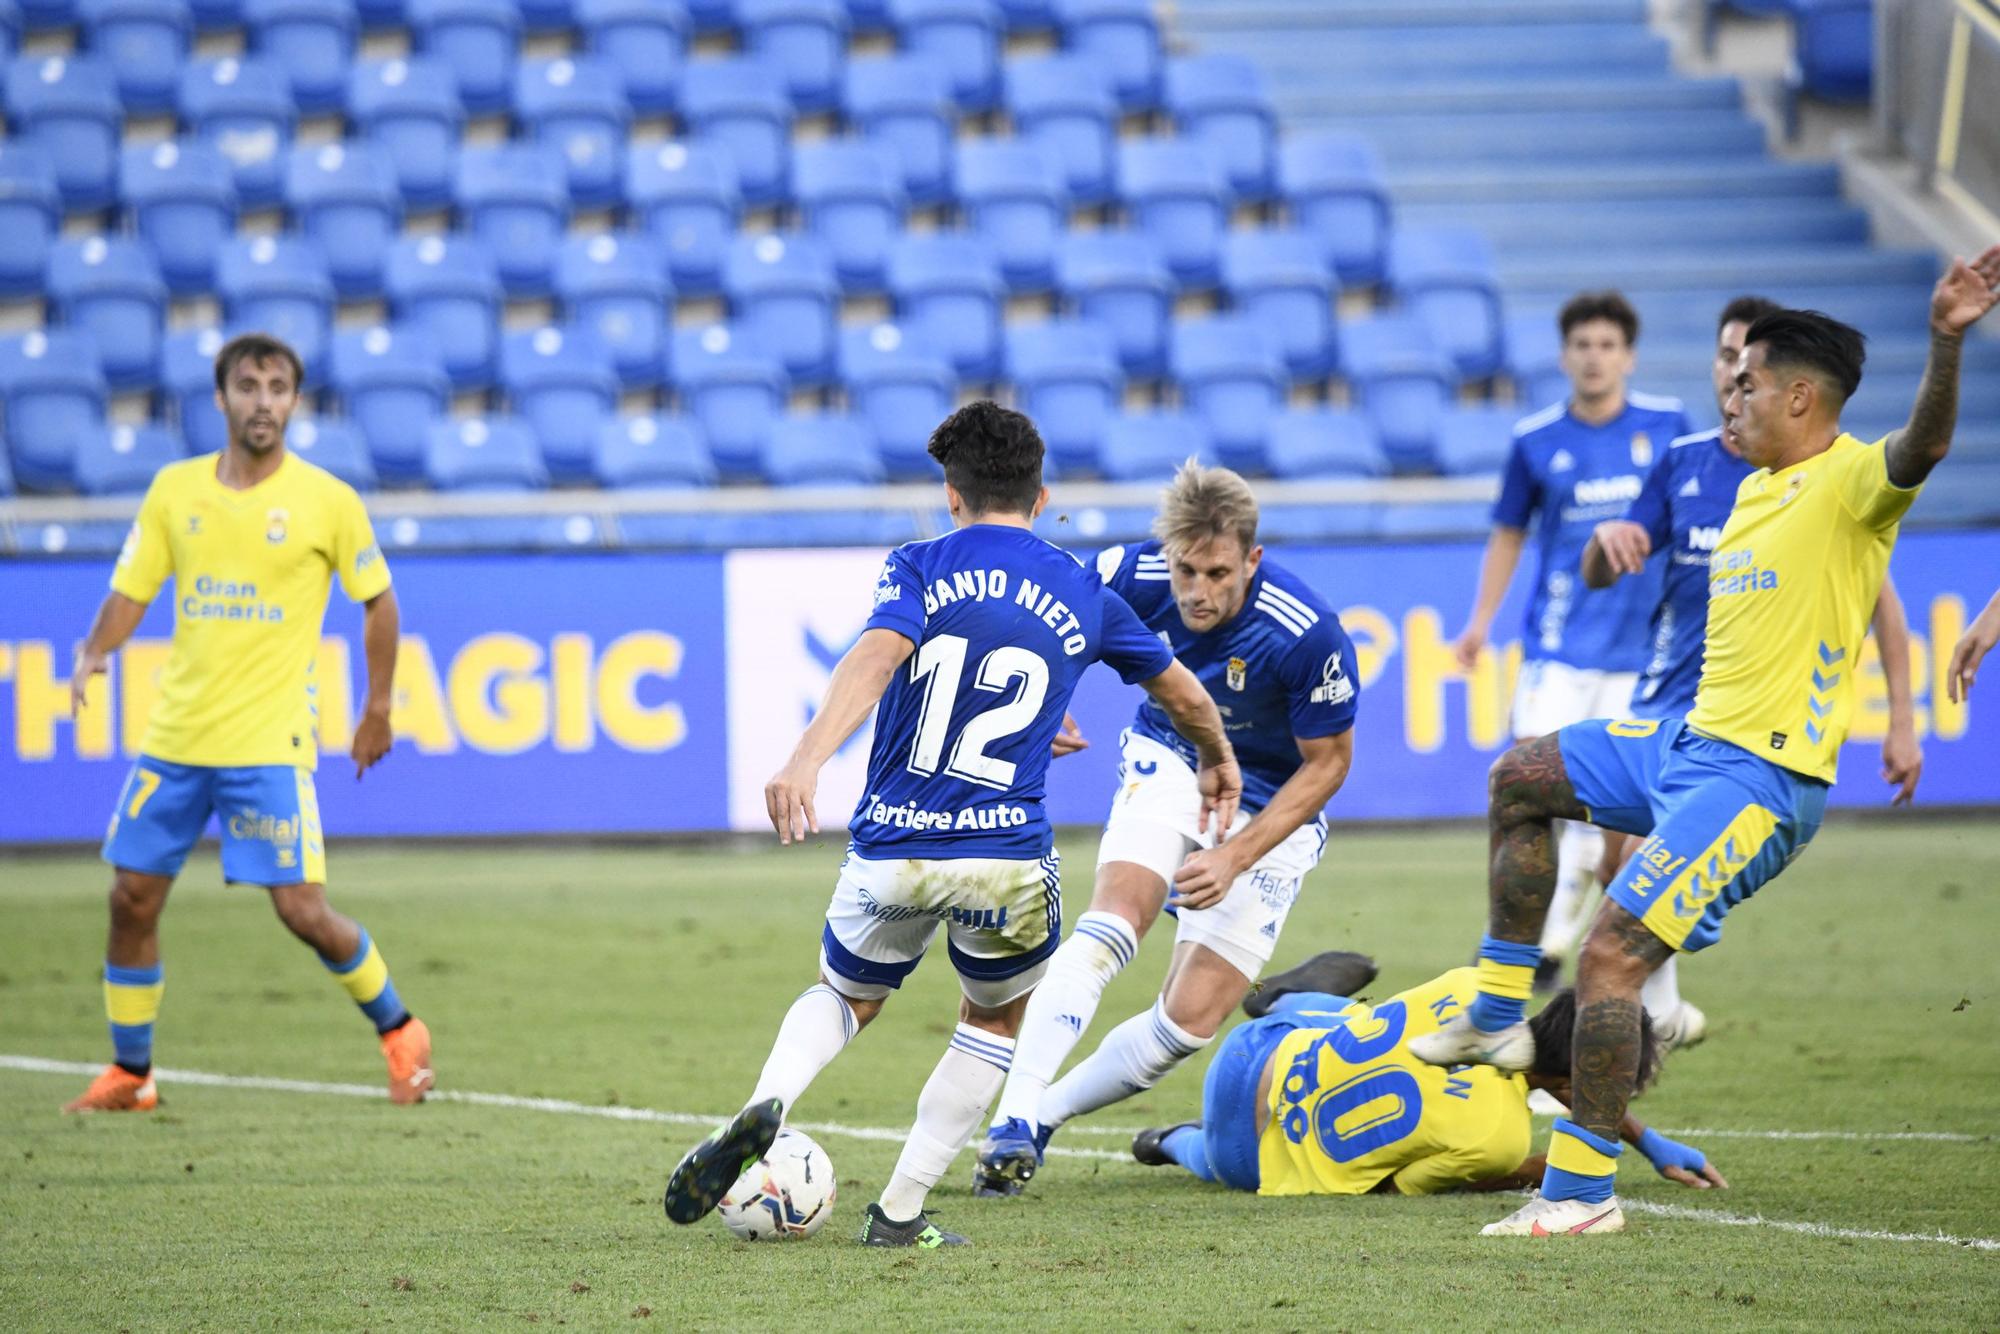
[
  {"x": 1188, "y": 1146},
  {"x": 132, "y": 1003},
  {"x": 1582, "y": 1166},
  {"x": 1506, "y": 980},
  {"x": 366, "y": 979}
]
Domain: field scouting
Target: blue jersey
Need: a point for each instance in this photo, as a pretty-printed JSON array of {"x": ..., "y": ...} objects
[
  {"x": 1280, "y": 669},
  {"x": 1004, "y": 624},
  {"x": 1566, "y": 478},
  {"x": 1683, "y": 505}
]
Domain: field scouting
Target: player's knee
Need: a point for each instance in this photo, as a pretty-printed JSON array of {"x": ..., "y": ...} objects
[
  {"x": 304, "y": 911},
  {"x": 1004, "y": 1019},
  {"x": 1610, "y": 963},
  {"x": 136, "y": 901}
]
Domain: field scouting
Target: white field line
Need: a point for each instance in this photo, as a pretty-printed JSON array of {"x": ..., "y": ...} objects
[{"x": 561, "y": 1106}]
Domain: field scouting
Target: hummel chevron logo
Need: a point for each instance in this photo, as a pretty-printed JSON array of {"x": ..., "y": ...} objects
[
  {"x": 1821, "y": 682},
  {"x": 1831, "y": 656}
]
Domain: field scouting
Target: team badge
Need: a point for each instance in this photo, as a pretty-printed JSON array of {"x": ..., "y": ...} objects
[
  {"x": 1792, "y": 488},
  {"x": 1642, "y": 450},
  {"x": 1239, "y": 671},
  {"x": 274, "y": 526}
]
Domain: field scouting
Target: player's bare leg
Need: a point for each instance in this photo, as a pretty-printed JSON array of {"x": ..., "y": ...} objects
[
  {"x": 133, "y": 983},
  {"x": 1529, "y": 790},
  {"x": 343, "y": 945}
]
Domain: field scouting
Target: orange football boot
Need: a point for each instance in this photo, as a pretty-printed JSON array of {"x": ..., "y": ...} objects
[
  {"x": 117, "y": 1090},
  {"x": 408, "y": 1051}
]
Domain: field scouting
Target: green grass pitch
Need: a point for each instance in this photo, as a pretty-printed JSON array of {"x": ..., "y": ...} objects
[{"x": 1860, "y": 994}]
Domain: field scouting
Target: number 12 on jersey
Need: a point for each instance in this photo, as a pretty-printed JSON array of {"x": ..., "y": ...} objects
[{"x": 940, "y": 665}]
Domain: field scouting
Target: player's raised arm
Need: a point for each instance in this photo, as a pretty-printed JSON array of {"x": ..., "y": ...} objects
[
  {"x": 117, "y": 617},
  {"x": 857, "y": 686},
  {"x": 381, "y": 633},
  {"x": 1195, "y": 717},
  {"x": 1965, "y": 293},
  {"x": 1902, "y": 756}
]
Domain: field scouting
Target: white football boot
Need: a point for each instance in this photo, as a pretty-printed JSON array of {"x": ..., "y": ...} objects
[
  {"x": 1459, "y": 1043},
  {"x": 1684, "y": 1028},
  {"x": 1558, "y": 1218}
]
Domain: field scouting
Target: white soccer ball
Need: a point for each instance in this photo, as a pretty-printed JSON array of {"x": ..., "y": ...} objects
[{"x": 785, "y": 1196}]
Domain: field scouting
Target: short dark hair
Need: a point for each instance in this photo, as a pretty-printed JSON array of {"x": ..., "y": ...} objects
[
  {"x": 256, "y": 347},
  {"x": 992, "y": 456},
  {"x": 1555, "y": 1039},
  {"x": 1587, "y": 306},
  {"x": 1813, "y": 341},
  {"x": 1746, "y": 310}
]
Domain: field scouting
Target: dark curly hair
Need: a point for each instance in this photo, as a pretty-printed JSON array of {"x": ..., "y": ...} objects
[
  {"x": 1555, "y": 1032},
  {"x": 992, "y": 456}
]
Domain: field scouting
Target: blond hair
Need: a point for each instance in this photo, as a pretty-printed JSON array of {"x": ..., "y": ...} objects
[{"x": 1202, "y": 503}]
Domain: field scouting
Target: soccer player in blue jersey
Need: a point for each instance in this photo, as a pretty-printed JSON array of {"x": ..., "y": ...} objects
[
  {"x": 1572, "y": 465},
  {"x": 1281, "y": 670},
  {"x": 975, "y": 644}
]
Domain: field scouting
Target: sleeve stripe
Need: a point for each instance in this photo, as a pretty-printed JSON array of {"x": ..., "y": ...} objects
[
  {"x": 1282, "y": 615},
  {"x": 1311, "y": 616}
]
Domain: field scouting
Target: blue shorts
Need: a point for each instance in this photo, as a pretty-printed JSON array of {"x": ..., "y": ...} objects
[
  {"x": 1229, "y": 1091},
  {"x": 268, "y": 813},
  {"x": 1722, "y": 821}
]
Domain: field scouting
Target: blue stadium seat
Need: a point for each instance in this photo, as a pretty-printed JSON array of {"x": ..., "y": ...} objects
[
  {"x": 448, "y": 287},
  {"x": 850, "y": 196},
  {"x": 821, "y": 449},
  {"x": 646, "y": 40},
  {"x": 1833, "y": 53},
  {"x": 560, "y": 382},
  {"x": 1232, "y": 378},
  {"x": 1446, "y": 276},
  {"x": 30, "y": 216},
  {"x": 1474, "y": 441},
  {"x": 947, "y": 292},
  {"x": 6, "y": 475},
  {"x": 478, "y": 39},
  {"x": 1333, "y": 183},
  {"x": 733, "y": 389},
  {"x": 904, "y": 103},
  {"x": 110, "y": 288},
  {"x": 1013, "y": 193},
  {"x": 685, "y": 198},
  {"x": 1327, "y": 443},
  {"x": 1175, "y": 194},
  {"x": 278, "y": 285},
  {"x": 187, "y": 379},
  {"x": 1534, "y": 359},
  {"x": 713, "y": 16},
  {"x": 10, "y": 42},
  {"x": 574, "y": 106},
  {"x": 53, "y": 391},
  {"x": 1149, "y": 447},
  {"x": 1067, "y": 378},
  {"x": 181, "y": 197},
  {"x": 1119, "y": 280},
  {"x": 782, "y": 291},
  {"x": 515, "y": 198},
  {"x": 343, "y": 197},
  {"x": 145, "y": 42},
  {"x": 962, "y": 37},
  {"x": 409, "y": 109},
  {"x": 1403, "y": 380},
  {"x": 335, "y": 445},
  {"x": 375, "y": 14},
  {"x": 244, "y": 110},
  {"x": 616, "y": 287},
  {"x": 37, "y": 15},
  {"x": 1065, "y": 105},
  {"x": 659, "y": 452},
  {"x": 899, "y": 390},
  {"x": 805, "y": 39},
  {"x": 1220, "y": 103},
  {"x": 121, "y": 460},
  {"x": 312, "y": 41},
  {"x": 68, "y": 108},
  {"x": 1281, "y": 280},
  {"x": 738, "y": 105},
  {"x": 496, "y": 453},
  {"x": 547, "y": 16},
  {"x": 392, "y": 386},
  {"x": 1121, "y": 35}
]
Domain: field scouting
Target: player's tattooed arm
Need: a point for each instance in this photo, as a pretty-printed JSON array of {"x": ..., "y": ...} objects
[
  {"x": 1965, "y": 294},
  {"x": 117, "y": 617},
  {"x": 1528, "y": 789}
]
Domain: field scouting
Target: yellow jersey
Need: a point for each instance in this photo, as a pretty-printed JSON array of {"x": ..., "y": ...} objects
[
  {"x": 1350, "y": 1106},
  {"x": 251, "y": 572},
  {"x": 1791, "y": 588}
]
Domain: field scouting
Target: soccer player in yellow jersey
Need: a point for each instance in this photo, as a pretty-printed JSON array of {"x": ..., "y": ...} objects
[
  {"x": 1321, "y": 1096},
  {"x": 1732, "y": 794},
  {"x": 252, "y": 538}
]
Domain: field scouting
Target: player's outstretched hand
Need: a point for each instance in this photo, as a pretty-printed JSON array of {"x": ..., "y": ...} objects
[
  {"x": 1902, "y": 764},
  {"x": 372, "y": 740},
  {"x": 1973, "y": 646},
  {"x": 788, "y": 798},
  {"x": 1467, "y": 646},
  {"x": 1625, "y": 545},
  {"x": 1221, "y": 792},
  {"x": 1069, "y": 740},
  {"x": 1680, "y": 1162},
  {"x": 1706, "y": 1179},
  {"x": 1203, "y": 879},
  {"x": 88, "y": 664},
  {"x": 1965, "y": 293}
]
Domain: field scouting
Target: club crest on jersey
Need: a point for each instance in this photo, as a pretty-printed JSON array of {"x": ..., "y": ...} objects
[
  {"x": 1642, "y": 449},
  {"x": 1334, "y": 686},
  {"x": 1792, "y": 488},
  {"x": 1239, "y": 672},
  {"x": 274, "y": 526}
]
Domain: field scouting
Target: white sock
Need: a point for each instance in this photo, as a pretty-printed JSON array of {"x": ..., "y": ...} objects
[
  {"x": 950, "y": 1108},
  {"x": 817, "y": 1026},
  {"x": 1064, "y": 1003},
  {"x": 1578, "y": 847},
  {"x": 1132, "y": 1058},
  {"x": 1662, "y": 993}
]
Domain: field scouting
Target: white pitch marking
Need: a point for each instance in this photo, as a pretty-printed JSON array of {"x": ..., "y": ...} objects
[{"x": 1723, "y": 1219}]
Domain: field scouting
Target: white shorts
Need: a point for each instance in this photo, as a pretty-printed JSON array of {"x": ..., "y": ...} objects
[
  {"x": 1004, "y": 920},
  {"x": 1551, "y": 695},
  {"x": 1153, "y": 824}
]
